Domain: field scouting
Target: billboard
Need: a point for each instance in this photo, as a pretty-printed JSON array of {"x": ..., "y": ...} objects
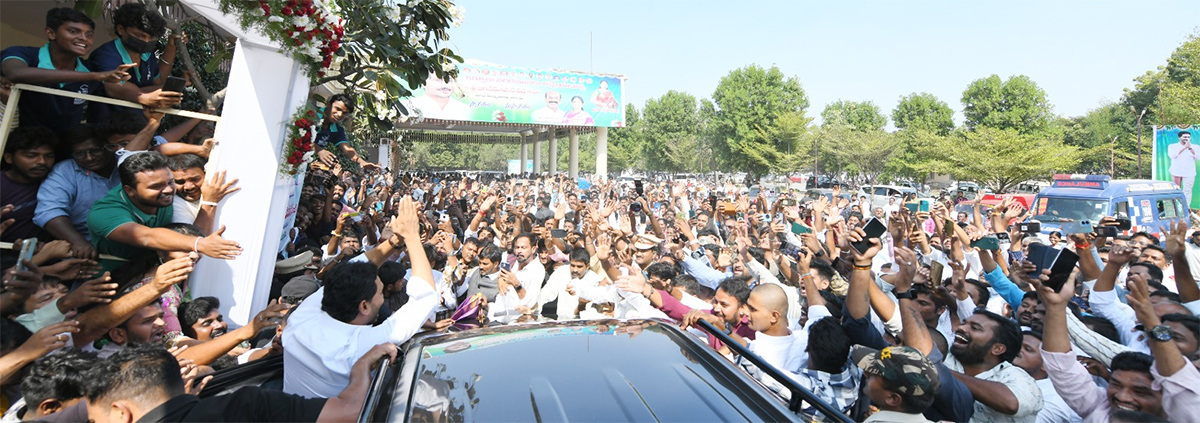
[
  {"x": 489, "y": 93},
  {"x": 1175, "y": 157}
]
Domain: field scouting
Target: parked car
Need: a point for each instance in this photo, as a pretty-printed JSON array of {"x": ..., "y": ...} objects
[
  {"x": 582, "y": 370},
  {"x": 883, "y": 192}
]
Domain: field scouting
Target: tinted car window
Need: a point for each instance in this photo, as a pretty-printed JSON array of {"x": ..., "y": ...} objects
[{"x": 595, "y": 372}]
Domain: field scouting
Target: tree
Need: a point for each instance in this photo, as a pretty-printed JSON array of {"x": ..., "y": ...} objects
[
  {"x": 797, "y": 132},
  {"x": 1108, "y": 137},
  {"x": 748, "y": 102},
  {"x": 625, "y": 144},
  {"x": 923, "y": 111},
  {"x": 865, "y": 154},
  {"x": 671, "y": 127},
  {"x": 1017, "y": 103},
  {"x": 1001, "y": 158},
  {"x": 862, "y": 116}
]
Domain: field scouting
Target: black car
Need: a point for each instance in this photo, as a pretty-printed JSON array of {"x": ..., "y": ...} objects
[{"x": 582, "y": 370}]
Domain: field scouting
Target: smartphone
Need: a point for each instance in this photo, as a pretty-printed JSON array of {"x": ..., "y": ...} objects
[
  {"x": 1124, "y": 224},
  {"x": 990, "y": 242},
  {"x": 27, "y": 247},
  {"x": 924, "y": 206},
  {"x": 874, "y": 229},
  {"x": 445, "y": 217},
  {"x": 912, "y": 207},
  {"x": 1080, "y": 227},
  {"x": 1030, "y": 227},
  {"x": 174, "y": 84},
  {"x": 778, "y": 217},
  {"x": 1106, "y": 231},
  {"x": 800, "y": 229},
  {"x": 558, "y": 233},
  {"x": 936, "y": 269},
  {"x": 506, "y": 266},
  {"x": 1061, "y": 268},
  {"x": 637, "y": 187},
  {"x": 443, "y": 315},
  {"x": 765, "y": 217},
  {"x": 712, "y": 202}
]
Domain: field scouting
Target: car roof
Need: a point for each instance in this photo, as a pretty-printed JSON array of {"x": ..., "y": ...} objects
[
  {"x": 608, "y": 370},
  {"x": 1117, "y": 188}
]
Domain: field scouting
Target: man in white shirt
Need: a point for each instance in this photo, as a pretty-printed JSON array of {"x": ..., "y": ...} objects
[
  {"x": 332, "y": 328},
  {"x": 562, "y": 284},
  {"x": 1183, "y": 163},
  {"x": 551, "y": 113},
  {"x": 981, "y": 354},
  {"x": 520, "y": 287},
  {"x": 196, "y": 198}
]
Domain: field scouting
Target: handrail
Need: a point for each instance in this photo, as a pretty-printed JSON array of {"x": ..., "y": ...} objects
[
  {"x": 14, "y": 99},
  {"x": 368, "y": 408},
  {"x": 799, "y": 393}
]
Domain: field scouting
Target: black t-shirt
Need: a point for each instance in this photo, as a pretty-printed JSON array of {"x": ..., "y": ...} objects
[{"x": 248, "y": 404}]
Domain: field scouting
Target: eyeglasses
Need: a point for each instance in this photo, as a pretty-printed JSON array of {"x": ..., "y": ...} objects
[
  {"x": 115, "y": 147},
  {"x": 95, "y": 152}
]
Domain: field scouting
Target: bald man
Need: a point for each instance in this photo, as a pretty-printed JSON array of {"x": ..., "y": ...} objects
[{"x": 773, "y": 341}]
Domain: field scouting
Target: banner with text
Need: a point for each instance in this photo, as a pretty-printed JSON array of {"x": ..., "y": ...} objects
[
  {"x": 488, "y": 93},
  {"x": 1175, "y": 158}
]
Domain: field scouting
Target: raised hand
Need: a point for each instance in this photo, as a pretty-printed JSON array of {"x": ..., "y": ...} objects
[
  {"x": 215, "y": 188},
  {"x": 1121, "y": 255},
  {"x": 863, "y": 258},
  {"x": 96, "y": 291}
]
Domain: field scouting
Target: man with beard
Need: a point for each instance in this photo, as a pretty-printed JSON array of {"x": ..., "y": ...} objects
[
  {"x": 1031, "y": 312},
  {"x": 567, "y": 282},
  {"x": 146, "y": 326},
  {"x": 518, "y": 289},
  {"x": 28, "y": 158},
  {"x": 129, "y": 219},
  {"x": 205, "y": 331},
  {"x": 196, "y": 198},
  {"x": 58, "y": 65},
  {"x": 981, "y": 357}
]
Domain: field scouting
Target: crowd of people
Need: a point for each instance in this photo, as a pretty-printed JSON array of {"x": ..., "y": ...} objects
[{"x": 917, "y": 321}]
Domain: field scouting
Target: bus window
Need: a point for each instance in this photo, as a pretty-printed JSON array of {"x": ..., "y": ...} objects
[{"x": 1122, "y": 209}]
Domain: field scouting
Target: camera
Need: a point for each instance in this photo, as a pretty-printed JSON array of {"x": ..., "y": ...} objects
[{"x": 635, "y": 207}]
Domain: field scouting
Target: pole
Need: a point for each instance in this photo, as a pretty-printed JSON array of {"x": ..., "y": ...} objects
[
  {"x": 1139, "y": 141},
  {"x": 1112, "y": 157}
]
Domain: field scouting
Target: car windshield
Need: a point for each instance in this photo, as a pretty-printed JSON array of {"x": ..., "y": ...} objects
[
  {"x": 1058, "y": 209},
  {"x": 626, "y": 371}
]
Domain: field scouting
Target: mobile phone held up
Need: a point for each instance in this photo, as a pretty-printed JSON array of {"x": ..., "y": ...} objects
[
  {"x": 874, "y": 229},
  {"x": 174, "y": 84},
  {"x": 27, "y": 248}
]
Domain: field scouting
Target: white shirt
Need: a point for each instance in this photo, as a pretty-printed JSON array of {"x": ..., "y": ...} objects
[
  {"x": 1020, "y": 383},
  {"x": 1183, "y": 161},
  {"x": 185, "y": 211},
  {"x": 1054, "y": 409},
  {"x": 556, "y": 289},
  {"x": 319, "y": 351},
  {"x": 531, "y": 277}
]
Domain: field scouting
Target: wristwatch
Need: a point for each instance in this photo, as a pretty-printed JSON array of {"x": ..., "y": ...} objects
[
  {"x": 906, "y": 295},
  {"x": 1160, "y": 333}
]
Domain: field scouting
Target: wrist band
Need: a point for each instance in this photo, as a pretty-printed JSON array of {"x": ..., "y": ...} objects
[
  {"x": 1083, "y": 246},
  {"x": 196, "y": 245},
  {"x": 857, "y": 267},
  {"x": 207, "y": 203}
]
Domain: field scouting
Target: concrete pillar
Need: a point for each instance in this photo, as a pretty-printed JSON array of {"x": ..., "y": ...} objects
[
  {"x": 537, "y": 153},
  {"x": 573, "y": 168},
  {"x": 524, "y": 155},
  {"x": 602, "y": 152},
  {"x": 553, "y": 152}
]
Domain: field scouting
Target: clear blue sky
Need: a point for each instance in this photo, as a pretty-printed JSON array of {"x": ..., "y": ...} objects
[{"x": 1082, "y": 53}]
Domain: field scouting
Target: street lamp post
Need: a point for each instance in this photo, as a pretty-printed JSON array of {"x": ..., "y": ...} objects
[{"x": 1139, "y": 141}]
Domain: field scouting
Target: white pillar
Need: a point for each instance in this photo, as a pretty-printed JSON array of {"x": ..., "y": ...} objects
[
  {"x": 537, "y": 153},
  {"x": 553, "y": 151},
  {"x": 573, "y": 167},
  {"x": 602, "y": 152},
  {"x": 265, "y": 88},
  {"x": 524, "y": 155}
]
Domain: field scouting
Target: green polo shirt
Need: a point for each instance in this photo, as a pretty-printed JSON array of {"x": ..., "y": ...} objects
[{"x": 113, "y": 210}]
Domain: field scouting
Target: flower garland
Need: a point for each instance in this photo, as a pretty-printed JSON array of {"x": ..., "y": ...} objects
[
  {"x": 301, "y": 134},
  {"x": 309, "y": 30},
  {"x": 311, "y": 33}
]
